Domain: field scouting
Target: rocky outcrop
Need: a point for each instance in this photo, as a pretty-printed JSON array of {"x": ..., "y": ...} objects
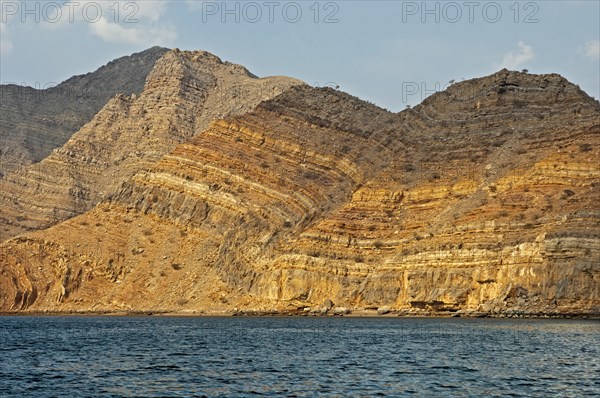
[
  {"x": 483, "y": 199},
  {"x": 464, "y": 223},
  {"x": 37, "y": 120},
  {"x": 183, "y": 93}
]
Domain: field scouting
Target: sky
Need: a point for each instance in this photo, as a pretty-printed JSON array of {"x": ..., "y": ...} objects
[{"x": 392, "y": 53}]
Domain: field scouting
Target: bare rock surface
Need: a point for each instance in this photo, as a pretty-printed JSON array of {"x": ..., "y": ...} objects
[
  {"x": 36, "y": 120},
  {"x": 482, "y": 200},
  {"x": 182, "y": 94}
]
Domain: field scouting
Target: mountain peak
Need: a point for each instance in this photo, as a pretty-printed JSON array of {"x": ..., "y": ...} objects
[
  {"x": 512, "y": 88},
  {"x": 207, "y": 58},
  {"x": 34, "y": 122}
]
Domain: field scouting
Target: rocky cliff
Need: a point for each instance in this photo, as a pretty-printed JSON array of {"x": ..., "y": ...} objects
[
  {"x": 182, "y": 94},
  {"x": 37, "y": 120},
  {"x": 481, "y": 199}
]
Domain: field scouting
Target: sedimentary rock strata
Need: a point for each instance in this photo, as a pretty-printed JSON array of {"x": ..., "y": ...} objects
[
  {"x": 483, "y": 198},
  {"x": 36, "y": 120},
  {"x": 182, "y": 94}
]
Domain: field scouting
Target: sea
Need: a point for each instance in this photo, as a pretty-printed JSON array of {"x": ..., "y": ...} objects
[{"x": 78, "y": 356}]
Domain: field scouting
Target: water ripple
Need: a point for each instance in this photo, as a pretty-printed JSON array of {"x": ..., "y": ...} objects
[{"x": 297, "y": 357}]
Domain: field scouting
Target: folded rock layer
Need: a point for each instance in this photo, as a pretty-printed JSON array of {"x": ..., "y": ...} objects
[
  {"x": 36, "y": 120},
  {"x": 183, "y": 93},
  {"x": 483, "y": 198}
]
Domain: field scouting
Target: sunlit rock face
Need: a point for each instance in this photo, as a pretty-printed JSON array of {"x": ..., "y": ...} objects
[
  {"x": 182, "y": 94},
  {"x": 484, "y": 198}
]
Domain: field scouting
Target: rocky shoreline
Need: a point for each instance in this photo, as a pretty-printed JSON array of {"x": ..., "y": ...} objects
[{"x": 309, "y": 312}]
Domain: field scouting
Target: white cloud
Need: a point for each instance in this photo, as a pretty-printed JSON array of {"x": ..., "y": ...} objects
[
  {"x": 514, "y": 60},
  {"x": 137, "y": 22},
  {"x": 150, "y": 10},
  {"x": 591, "y": 49},
  {"x": 131, "y": 22},
  {"x": 6, "y": 45},
  {"x": 143, "y": 35}
]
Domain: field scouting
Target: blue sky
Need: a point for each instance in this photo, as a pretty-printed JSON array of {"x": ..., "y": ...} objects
[{"x": 393, "y": 53}]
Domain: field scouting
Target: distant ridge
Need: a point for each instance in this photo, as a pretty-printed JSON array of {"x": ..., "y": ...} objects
[{"x": 34, "y": 122}]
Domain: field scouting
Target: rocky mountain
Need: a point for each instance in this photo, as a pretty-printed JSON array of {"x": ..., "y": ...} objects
[
  {"x": 182, "y": 94},
  {"x": 482, "y": 199},
  {"x": 36, "y": 121}
]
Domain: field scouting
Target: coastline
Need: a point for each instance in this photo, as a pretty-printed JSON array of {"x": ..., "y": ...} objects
[{"x": 359, "y": 313}]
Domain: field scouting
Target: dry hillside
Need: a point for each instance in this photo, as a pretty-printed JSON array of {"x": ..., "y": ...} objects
[{"x": 484, "y": 198}]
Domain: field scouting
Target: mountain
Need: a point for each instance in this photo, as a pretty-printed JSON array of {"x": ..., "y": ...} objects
[
  {"x": 182, "y": 94},
  {"x": 36, "y": 121},
  {"x": 481, "y": 200}
]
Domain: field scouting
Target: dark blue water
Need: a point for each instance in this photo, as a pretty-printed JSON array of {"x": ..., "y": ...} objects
[{"x": 297, "y": 357}]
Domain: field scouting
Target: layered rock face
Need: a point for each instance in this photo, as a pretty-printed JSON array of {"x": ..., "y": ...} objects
[
  {"x": 494, "y": 208},
  {"x": 35, "y": 121},
  {"x": 183, "y": 93},
  {"x": 483, "y": 198},
  {"x": 230, "y": 193}
]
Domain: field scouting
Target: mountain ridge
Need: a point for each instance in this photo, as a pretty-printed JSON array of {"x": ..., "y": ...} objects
[
  {"x": 481, "y": 199},
  {"x": 183, "y": 92},
  {"x": 36, "y": 121}
]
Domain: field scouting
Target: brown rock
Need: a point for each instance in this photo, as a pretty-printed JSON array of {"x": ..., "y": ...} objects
[{"x": 315, "y": 195}]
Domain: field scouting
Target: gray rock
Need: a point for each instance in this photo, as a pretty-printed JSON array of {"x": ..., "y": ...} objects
[
  {"x": 383, "y": 310},
  {"x": 328, "y": 304},
  {"x": 341, "y": 311}
]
